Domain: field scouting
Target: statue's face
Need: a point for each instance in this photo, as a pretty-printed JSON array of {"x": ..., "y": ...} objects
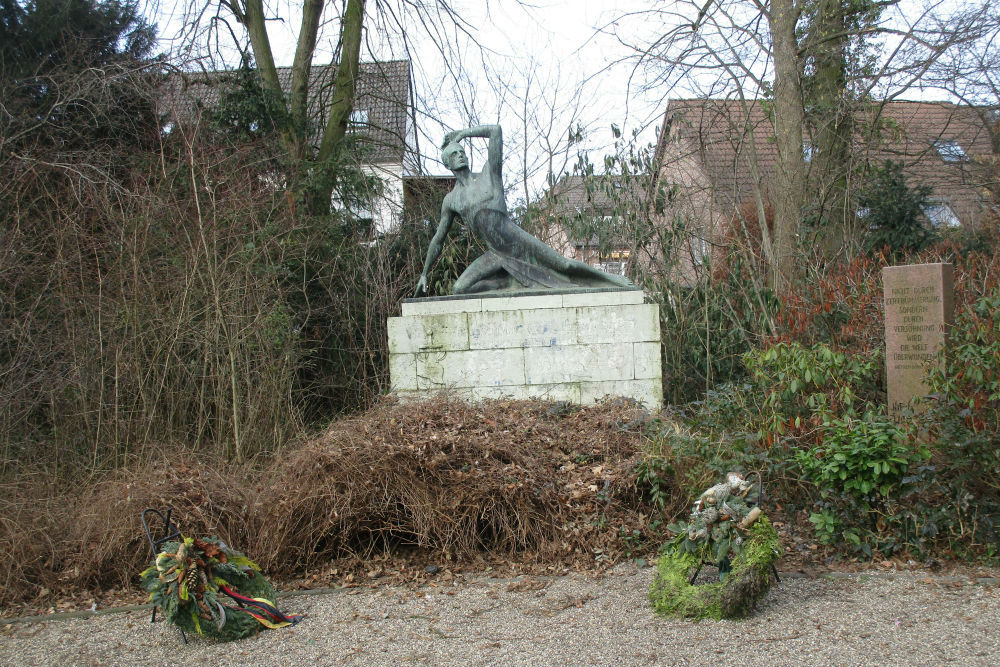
[{"x": 453, "y": 156}]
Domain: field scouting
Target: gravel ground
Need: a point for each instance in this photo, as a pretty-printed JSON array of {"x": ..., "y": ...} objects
[{"x": 854, "y": 619}]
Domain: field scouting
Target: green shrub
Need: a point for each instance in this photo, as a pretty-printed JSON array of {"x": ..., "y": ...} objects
[
  {"x": 860, "y": 469},
  {"x": 678, "y": 464},
  {"x": 809, "y": 385},
  {"x": 864, "y": 458},
  {"x": 962, "y": 423},
  {"x": 895, "y": 211}
]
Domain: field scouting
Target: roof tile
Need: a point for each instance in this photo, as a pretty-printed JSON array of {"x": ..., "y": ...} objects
[{"x": 383, "y": 91}]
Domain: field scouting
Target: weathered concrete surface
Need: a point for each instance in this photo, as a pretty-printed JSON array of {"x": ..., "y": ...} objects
[
  {"x": 919, "y": 304},
  {"x": 575, "y": 346}
]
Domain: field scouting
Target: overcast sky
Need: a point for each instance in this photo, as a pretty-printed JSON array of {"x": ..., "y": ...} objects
[
  {"x": 549, "y": 51},
  {"x": 535, "y": 66}
]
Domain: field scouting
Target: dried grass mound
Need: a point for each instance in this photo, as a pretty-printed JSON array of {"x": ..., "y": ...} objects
[
  {"x": 543, "y": 482},
  {"x": 452, "y": 477},
  {"x": 31, "y": 538},
  {"x": 209, "y": 497}
]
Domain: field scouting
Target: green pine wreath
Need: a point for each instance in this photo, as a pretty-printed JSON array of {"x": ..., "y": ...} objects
[
  {"x": 672, "y": 593},
  {"x": 204, "y": 586}
]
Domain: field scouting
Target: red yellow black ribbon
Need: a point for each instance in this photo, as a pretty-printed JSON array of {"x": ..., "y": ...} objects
[{"x": 261, "y": 609}]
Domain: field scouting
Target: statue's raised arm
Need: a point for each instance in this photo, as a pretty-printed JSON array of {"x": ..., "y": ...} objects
[{"x": 515, "y": 259}]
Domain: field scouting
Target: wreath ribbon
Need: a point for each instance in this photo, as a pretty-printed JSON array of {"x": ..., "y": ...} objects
[{"x": 263, "y": 610}]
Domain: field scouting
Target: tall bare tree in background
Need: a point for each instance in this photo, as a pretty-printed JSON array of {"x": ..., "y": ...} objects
[
  {"x": 798, "y": 55},
  {"x": 290, "y": 109},
  {"x": 346, "y": 31},
  {"x": 972, "y": 76}
]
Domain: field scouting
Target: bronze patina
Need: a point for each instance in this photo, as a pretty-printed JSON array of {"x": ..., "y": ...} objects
[{"x": 515, "y": 259}]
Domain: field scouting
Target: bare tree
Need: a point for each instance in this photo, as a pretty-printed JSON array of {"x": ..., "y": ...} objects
[
  {"x": 753, "y": 50},
  {"x": 972, "y": 76},
  {"x": 347, "y": 29},
  {"x": 543, "y": 118}
]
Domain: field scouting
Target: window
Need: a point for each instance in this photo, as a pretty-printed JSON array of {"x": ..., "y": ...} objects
[
  {"x": 940, "y": 214},
  {"x": 950, "y": 150},
  {"x": 616, "y": 268},
  {"x": 700, "y": 250},
  {"x": 807, "y": 151},
  {"x": 614, "y": 261},
  {"x": 358, "y": 119},
  {"x": 809, "y": 67}
]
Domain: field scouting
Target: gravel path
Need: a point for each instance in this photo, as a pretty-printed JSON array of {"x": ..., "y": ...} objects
[{"x": 855, "y": 619}]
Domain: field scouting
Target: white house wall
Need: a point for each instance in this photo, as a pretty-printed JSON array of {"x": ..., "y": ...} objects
[{"x": 387, "y": 210}]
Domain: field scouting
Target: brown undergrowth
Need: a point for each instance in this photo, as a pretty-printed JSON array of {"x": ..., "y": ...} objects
[{"x": 533, "y": 481}]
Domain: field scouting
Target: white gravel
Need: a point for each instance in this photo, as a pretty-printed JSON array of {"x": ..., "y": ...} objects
[{"x": 856, "y": 619}]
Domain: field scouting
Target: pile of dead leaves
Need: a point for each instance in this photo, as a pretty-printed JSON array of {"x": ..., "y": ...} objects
[
  {"x": 453, "y": 482},
  {"x": 462, "y": 479}
]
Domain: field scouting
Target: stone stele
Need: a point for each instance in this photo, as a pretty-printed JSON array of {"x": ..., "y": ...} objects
[{"x": 919, "y": 303}]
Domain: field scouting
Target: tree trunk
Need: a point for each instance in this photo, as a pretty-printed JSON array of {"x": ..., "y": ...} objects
[
  {"x": 830, "y": 114},
  {"x": 298, "y": 100},
  {"x": 253, "y": 19},
  {"x": 294, "y": 126},
  {"x": 789, "y": 190},
  {"x": 342, "y": 104},
  {"x": 346, "y": 84}
]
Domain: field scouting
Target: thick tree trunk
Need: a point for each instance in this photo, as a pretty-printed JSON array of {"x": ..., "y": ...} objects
[
  {"x": 830, "y": 114},
  {"x": 298, "y": 106},
  {"x": 344, "y": 91},
  {"x": 295, "y": 125},
  {"x": 790, "y": 181},
  {"x": 253, "y": 19},
  {"x": 347, "y": 76}
]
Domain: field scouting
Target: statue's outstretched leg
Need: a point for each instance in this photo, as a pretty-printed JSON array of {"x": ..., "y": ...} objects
[
  {"x": 516, "y": 242},
  {"x": 476, "y": 278}
]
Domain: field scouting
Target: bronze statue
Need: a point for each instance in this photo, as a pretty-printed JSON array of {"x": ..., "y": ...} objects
[{"x": 515, "y": 258}]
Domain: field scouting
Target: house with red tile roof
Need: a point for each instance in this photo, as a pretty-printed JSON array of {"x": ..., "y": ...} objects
[
  {"x": 580, "y": 206},
  {"x": 722, "y": 155}
]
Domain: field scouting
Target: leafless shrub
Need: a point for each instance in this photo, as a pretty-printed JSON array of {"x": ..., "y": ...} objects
[{"x": 542, "y": 481}]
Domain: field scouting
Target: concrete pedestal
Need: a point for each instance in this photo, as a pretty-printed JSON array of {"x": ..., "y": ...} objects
[{"x": 575, "y": 346}]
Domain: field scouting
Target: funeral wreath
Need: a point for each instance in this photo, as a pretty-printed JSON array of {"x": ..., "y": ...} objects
[
  {"x": 726, "y": 529},
  {"x": 204, "y": 586}
]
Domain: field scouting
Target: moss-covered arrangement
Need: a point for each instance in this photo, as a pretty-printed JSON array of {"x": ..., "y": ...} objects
[{"x": 749, "y": 580}]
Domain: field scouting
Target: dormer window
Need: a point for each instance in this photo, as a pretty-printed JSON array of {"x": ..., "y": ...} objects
[
  {"x": 950, "y": 150},
  {"x": 940, "y": 214}
]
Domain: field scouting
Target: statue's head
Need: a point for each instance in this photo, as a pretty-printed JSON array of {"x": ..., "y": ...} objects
[{"x": 453, "y": 156}]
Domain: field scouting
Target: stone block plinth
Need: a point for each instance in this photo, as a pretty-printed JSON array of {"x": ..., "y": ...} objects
[{"x": 576, "y": 346}]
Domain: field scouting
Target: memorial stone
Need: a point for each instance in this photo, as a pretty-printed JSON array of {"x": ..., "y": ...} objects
[
  {"x": 919, "y": 300},
  {"x": 523, "y": 321}
]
